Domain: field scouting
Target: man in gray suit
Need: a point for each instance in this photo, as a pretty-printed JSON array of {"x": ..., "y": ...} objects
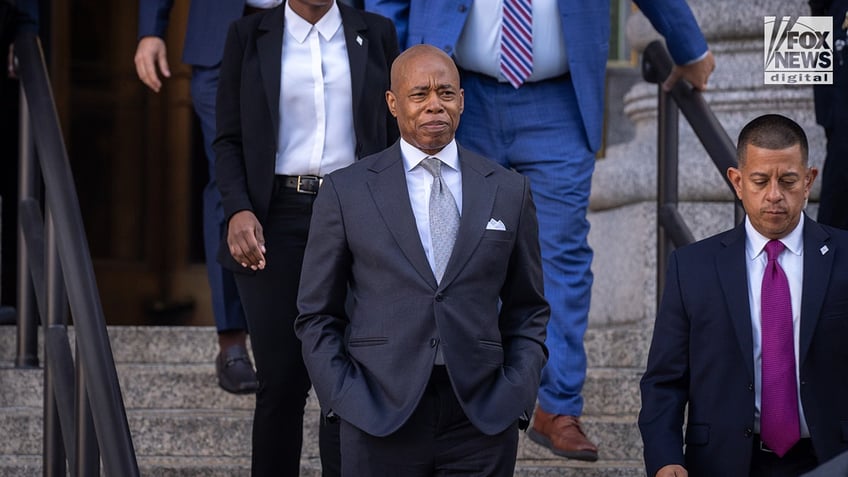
[{"x": 430, "y": 362}]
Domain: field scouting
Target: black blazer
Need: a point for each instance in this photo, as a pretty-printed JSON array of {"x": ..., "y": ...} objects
[
  {"x": 249, "y": 96},
  {"x": 702, "y": 355}
]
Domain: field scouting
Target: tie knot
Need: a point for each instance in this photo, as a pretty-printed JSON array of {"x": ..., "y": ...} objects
[
  {"x": 433, "y": 165},
  {"x": 773, "y": 249}
]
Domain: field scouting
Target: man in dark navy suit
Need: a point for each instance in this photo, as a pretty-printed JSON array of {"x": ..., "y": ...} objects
[{"x": 751, "y": 333}]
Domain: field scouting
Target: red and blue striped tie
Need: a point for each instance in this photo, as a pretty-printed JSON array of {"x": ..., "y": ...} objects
[{"x": 517, "y": 41}]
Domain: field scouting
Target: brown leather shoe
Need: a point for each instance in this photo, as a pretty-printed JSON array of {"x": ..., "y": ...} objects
[{"x": 562, "y": 435}]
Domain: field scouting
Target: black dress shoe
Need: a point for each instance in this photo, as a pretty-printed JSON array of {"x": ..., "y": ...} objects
[{"x": 235, "y": 371}]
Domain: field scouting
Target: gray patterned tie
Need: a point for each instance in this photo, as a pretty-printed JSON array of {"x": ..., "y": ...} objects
[{"x": 444, "y": 217}]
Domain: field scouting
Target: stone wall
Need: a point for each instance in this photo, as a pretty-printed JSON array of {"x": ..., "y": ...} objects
[{"x": 623, "y": 202}]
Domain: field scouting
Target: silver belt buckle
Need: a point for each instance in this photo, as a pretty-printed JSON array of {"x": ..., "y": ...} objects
[
  {"x": 300, "y": 179},
  {"x": 764, "y": 448}
]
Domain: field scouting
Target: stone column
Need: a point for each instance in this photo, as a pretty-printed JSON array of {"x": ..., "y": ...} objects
[{"x": 623, "y": 201}]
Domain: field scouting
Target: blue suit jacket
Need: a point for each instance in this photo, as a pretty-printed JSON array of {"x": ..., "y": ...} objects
[
  {"x": 208, "y": 21},
  {"x": 586, "y": 29},
  {"x": 702, "y": 355}
]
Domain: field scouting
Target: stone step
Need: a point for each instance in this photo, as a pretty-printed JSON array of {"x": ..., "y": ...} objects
[
  {"x": 208, "y": 433},
  {"x": 563, "y": 468},
  {"x": 28, "y": 466},
  {"x": 184, "y": 425},
  {"x": 143, "y": 386},
  {"x": 607, "y": 391},
  {"x": 198, "y": 433},
  {"x": 613, "y": 346}
]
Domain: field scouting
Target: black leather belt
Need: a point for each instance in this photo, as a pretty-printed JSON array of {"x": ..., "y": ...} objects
[
  {"x": 563, "y": 77},
  {"x": 302, "y": 184},
  {"x": 805, "y": 444}
]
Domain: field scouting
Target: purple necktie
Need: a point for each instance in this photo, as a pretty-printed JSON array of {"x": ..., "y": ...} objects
[
  {"x": 779, "y": 422},
  {"x": 517, "y": 41}
]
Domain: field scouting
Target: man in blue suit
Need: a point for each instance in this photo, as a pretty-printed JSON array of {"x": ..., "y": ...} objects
[
  {"x": 749, "y": 339},
  {"x": 548, "y": 128},
  {"x": 208, "y": 21}
]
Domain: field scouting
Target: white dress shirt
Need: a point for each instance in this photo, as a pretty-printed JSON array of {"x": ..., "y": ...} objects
[
  {"x": 419, "y": 182},
  {"x": 792, "y": 262},
  {"x": 479, "y": 46},
  {"x": 264, "y": 4},
  {"x": 316, "y": 133}
]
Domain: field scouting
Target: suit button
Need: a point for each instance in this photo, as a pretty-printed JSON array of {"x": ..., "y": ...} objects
[
  {"x": 448, "y": 49},
  {"x": 433, "y": 342},
  {"x": 749, "y": 432},
  {"x": 439, "y": 297},
  {"x": 750, "y": 387},
  {"x": 463, "y": 9}
]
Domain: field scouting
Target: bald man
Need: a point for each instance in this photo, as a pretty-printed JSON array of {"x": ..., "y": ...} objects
[{"x": 435, "y": 361}]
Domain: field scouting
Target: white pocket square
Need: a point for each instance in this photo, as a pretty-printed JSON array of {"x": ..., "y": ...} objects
[{"x": 495, "y": 225}]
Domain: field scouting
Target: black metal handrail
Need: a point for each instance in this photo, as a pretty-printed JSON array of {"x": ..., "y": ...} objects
[
  {"x": 62, "y": 274},
  {"x": 672, "y": 230}
]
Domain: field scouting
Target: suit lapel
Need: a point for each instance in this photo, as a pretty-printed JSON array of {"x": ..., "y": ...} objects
[
  {"x": 818, "y": 262},
  {"x": 478, "y": 198},
  {"x": 391, "y": 195},
  {"x": 269, "y": 47},
  {"x": 357, "y": 51},
  {"x": 733, "y": 278}
]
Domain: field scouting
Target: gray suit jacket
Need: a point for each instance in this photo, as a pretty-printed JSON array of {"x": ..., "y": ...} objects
[{"x": 371, "y": 362}]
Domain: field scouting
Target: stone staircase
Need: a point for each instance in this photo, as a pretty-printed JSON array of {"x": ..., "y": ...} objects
[{"x": 183, "y": 425}]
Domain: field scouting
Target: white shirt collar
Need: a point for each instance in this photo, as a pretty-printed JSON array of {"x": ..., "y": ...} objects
[
  {"x": 755, "y": 242},
  {"x": 412, "y": 156},
  {"x": 299, "y": 28}
]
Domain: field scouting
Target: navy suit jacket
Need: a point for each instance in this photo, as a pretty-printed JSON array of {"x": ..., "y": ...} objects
[
  {"x": 370, "y": 363},
  {"x": 586, "y": 30},
  {"x": 208, "y": 21},
  {"x": 248, "y": 103},
  {"x": 702, "y": 355}
]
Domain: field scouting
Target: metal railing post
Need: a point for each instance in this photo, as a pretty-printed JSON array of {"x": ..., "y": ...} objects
[
  {"x": 672, "y": 230},
  {"x": 667, "y": 144},
  {"x": 88, "y": 454},
  {"x": 27, "y": 336},
  {"x": 94, "y": 351},
  {"x": 56, "y": 314}
]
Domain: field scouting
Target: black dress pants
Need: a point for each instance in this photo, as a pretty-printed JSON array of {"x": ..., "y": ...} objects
[
  {"x": 269, "y": 298},
  {"x": 437, "y": 440}
]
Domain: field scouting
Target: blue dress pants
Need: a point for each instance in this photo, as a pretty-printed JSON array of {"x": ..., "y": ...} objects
[
  {"x": 226, "y": 305},
  {"x": 537, "y": 130}
]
